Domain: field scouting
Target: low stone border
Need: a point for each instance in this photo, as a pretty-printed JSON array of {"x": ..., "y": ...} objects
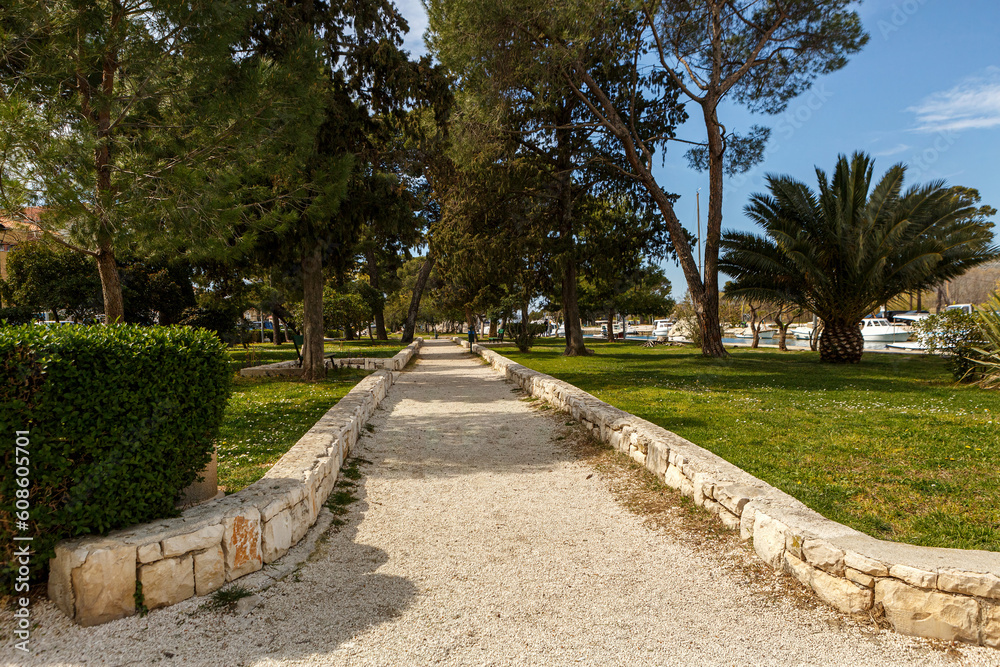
[
  {"x": 949, "y": 594},
  {"x": 292, "y": 369},
  {"x": 96, "y": 579}
]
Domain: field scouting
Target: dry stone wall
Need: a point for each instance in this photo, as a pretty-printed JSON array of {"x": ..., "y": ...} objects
[
  {"x": 96, "y": 579},
  {"x": 292, "y": 369},
  {"x": 948, "y": 594}
]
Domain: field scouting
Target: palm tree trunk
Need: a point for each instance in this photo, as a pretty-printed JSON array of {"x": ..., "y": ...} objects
[{"x": 841, "y": 342}]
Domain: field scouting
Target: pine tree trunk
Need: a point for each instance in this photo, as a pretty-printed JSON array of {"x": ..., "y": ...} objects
[
  {"x": 111, "y": 287},
  {"x": 611, "y": 325},
  {"x": 418, "y": 291},
  {"x": 313, "y": 364},
  {"x": 279, "y": 337},
  {"x": 373, "y": 280},
  {"x": 841, "y": 342}
]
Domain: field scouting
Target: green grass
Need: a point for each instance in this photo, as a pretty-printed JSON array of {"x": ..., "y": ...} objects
[
  {"x": 891, "y": 446},
  {"x": 266, "y": 416},
  {"x": 269, "y": 353}
]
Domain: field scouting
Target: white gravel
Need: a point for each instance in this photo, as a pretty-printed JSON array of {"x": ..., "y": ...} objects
[{"x": 479, "y": 540}]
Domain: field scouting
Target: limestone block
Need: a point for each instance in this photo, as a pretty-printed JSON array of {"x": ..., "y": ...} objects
[
  {"x": 991, "y": 626},
  {"x": 278, "y": 504},
  {"x": 836, "y": 592},
  {"x": 638, "y": 457},
  {"x": 104, "y": 585},
  {"x": 702, "y": 484},
  {"x": 969, "y": 583},
  {"x": 656, "y": 458},
  {"x": 793, "y": 545},
  {"x": 713, "y": 506},
  {"x": 824, "y": 555},
  {"x": 241, "y": 542},
  {"x": 869, "y": 566},
  {"x": 209, "y": 570},
  {"x": 60, "y": 587},
  {"x": 841, "y": 594},
  {"x": 913, "y": 576},
  {"x": 148, "y": 553},
  {"x": 734, "y": 497},
  {"x": 921, "y": 613},
  {"x": 769, "y": 539},
  {"x": 674, "y": 478},
  {"x": 729, "y": 520},
  {"x": 167, "y": 581},
  {"x": 746, "y": 522},
  {"x": 859, "y": 577},
  {"x": 207, "y": 537},
  {"x": 276, "y": 537},
  {"x": 301, "y": 519},
  {"x": 798, "y": 569}
]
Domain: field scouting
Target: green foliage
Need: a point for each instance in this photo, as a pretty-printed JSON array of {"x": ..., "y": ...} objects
[
  {"x": 46, "y": 278},
  {"x": 222, "y": 319},
  {"x": 852, "y": 245},
  {"x": 956, "y": 336},
  {"x": 121, "y": 419},
  {"x": 524, "y": 336},
  {"x": 989, "y": 327},
  {"x": 15, "y": 315}
]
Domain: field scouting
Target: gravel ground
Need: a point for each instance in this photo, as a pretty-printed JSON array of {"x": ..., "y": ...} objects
[{"x": 480, "y": 538}]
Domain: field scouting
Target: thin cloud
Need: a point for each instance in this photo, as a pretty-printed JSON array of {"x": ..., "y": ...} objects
[
  {"x": 895, "y": 150},
  {"x": 972, "y": 104}
]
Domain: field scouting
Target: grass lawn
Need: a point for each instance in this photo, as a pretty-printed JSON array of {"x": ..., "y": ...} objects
[
  {"x": 266, "y": 416},
  {"x": 268, "y": 353},
  {"x": 891, "y": 446}
]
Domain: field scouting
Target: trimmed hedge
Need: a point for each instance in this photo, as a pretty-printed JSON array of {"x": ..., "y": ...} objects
[{"x": 120, "y": 420}]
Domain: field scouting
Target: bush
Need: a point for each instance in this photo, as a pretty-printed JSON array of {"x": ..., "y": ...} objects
[
  {"x": 120, "y": 420},
  {"x": 989, "y": 325},
  {"x": 524, "y": 337},
  {"x": 955, "y": 336},
  {"x": 222, "y": 320},
  {"x": 15, "y": 315}
]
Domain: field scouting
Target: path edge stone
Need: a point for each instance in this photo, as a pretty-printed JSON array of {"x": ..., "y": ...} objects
[{"x": 948, "y": 594}]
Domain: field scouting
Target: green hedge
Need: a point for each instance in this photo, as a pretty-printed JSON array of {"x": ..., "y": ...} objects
[{"x": 121, "y": 419}]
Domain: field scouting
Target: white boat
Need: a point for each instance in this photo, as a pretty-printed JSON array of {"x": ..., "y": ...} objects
[
  {"x": 802, "y": 333},
  {"x": 879, "y": 330},
  {"x": 913, "y": 345},
  {"x": 561, "y": 331},
  {"x": 911, "y": 317},
  {"x": 661, "y": 328},
  {"x": 763, "y": 334}
]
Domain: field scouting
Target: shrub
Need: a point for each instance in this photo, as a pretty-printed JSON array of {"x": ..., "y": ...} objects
[
  {"x": 524, "y": 337},
  {"x": 223, "y": 320},
  {"x": 15, "y": 315},
  {"x": 989, "y": 325},
  {"x": 955, "y": 336},
  {"x": 120, "y": 420}
]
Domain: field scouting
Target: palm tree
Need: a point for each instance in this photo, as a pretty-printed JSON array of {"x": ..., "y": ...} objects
[{"x": 846, "y": 249}]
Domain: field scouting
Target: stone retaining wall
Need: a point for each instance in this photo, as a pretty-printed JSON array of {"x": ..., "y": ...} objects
[
  {"x": 292, "y": 369},
  {"x": 96, "y": 579},
  {"x": 948, "y": 594}
]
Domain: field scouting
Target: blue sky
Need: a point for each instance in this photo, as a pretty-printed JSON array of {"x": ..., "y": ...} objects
[{"x": 925, "y": 91}]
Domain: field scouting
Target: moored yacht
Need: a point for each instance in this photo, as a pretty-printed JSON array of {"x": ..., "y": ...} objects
[{"x": 879, "y": 330}]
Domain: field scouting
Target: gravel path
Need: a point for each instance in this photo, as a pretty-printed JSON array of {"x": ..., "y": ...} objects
[{"x": 480, "y": 540}]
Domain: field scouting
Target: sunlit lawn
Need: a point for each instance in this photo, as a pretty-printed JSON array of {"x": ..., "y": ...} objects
[
  {"x": 890, "y": 446},
  {"x": 266, "y": 416}
]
